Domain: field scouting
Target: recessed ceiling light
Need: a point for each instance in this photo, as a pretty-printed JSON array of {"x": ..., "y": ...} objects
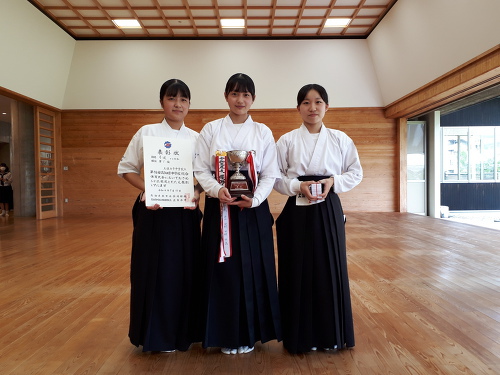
[
  {"x": 232, "y": 23},
  {"x": 127, "y": 24},
  {"x": 337, "y": 22}
]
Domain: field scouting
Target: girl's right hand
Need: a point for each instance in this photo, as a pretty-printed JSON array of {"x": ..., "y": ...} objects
[
  {"x": 224, "y": 196},
  {"x": 154, "y": 208},
  {"x": 306, "y": 191}
]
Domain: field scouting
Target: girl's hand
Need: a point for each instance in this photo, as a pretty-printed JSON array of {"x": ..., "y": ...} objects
[
  {"x": 327, "y": 185},
  {"x": 305, "y": 190},
  {"x": 196, "y": 200},
  {"x": 224, "y": 196},
  {"x": 154, "y": 208},
  {"x": 245, "y": 202}
]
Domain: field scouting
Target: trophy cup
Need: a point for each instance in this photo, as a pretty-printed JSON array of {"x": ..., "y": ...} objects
[{"x": 238, "y": 183}]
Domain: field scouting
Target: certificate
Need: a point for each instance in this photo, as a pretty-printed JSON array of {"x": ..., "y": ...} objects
[{"x": 168, "y": 172}]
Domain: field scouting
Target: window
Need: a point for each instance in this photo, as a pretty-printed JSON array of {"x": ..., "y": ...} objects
[{"x": 471, "y": 154}]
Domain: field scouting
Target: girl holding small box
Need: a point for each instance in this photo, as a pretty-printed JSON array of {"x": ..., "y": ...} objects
[{"x": 316, "y": 164}]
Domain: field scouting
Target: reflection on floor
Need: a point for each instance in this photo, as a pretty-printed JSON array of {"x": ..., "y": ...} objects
[{"x": 487, "y": 219}]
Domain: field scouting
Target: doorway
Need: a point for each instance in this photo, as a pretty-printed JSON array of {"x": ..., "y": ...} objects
[
  {"x": 416, "y": 168},
  {"x": 17, "y": 148}
]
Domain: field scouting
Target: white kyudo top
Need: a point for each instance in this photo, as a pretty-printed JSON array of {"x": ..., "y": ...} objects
[
  {"x": 223, "y": 135},
  {"x": 7, "y": 178},
  {"x": 133, "y": 159},
  {"x": 333, "y": 153}
]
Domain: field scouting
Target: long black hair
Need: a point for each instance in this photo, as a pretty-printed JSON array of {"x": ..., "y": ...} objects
[
  {"x": 175, "y": 86},
  {"x": 312, "y": 86},
  {"x": 240, "y": 82}
]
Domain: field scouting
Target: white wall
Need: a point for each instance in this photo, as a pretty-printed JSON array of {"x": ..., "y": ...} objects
[
  {"x": 128, "y": 74},
  {"x": 35, "y": 55},
  {"x": 420, "y": 40}
]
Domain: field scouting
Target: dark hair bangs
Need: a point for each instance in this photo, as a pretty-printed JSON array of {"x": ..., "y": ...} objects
[
  {"x": 240, "y": 83},
  {"x": 174, "y": 87},
  {"x": 312, "y": 86}
]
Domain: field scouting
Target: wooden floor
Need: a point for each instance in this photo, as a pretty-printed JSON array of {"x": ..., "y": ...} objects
[{"x": 425, "y": 292}]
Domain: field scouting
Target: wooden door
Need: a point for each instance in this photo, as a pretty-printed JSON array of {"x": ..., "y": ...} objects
[{"x": 45, "y": 160}]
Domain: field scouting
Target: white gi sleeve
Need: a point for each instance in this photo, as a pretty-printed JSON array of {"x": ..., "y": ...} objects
[
  {"x": 269, "y": 170},
  {"x": 352, "y": 172},
  {"x": 133, "y": 159},
  {"x": 202, "y": 166},
  {"x": 284, "y": 184}
]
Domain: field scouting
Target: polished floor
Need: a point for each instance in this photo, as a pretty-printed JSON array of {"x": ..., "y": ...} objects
[
  {"x": 486, "y": 219},
  {"x": 425, "y": 293}
]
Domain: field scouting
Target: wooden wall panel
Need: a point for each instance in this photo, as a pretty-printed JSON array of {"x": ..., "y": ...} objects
[{"x": 93, "y": 142}]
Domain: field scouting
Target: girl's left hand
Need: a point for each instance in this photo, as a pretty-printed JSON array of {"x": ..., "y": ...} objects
[
  {"x": 196, "y": 200},
  {"x": 245, "y": 202},
  {"x": 327, "y": 185}
]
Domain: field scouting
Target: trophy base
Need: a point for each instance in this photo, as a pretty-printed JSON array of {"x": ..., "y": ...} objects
[{"x": 238, "y": 188}]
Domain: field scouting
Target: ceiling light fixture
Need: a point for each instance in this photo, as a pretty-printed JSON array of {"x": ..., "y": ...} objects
[
  {"x": 127, "y": 24},
  {"x": 232, "y": 23},
  {"x": 337, "y": 22}
]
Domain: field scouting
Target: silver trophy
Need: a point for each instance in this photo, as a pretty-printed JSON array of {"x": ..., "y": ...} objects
[{"x": 238, "y": 183}]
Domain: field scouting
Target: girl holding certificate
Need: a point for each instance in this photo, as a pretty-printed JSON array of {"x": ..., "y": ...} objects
[
  {"x": 165, "y": 242},
  {"x": 316, "y": 164},
  {"x": 241, "y": 303}
]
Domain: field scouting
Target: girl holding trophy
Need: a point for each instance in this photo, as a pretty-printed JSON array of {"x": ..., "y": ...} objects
[
  {"x": 165, "y": 242},
  {"x": 236, "y": 165},
  {"x": 316, "y": 164}
]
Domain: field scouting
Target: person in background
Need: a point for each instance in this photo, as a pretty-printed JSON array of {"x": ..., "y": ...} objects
[
  {"x": 6, "y": 195},
  {"x": 165, "y": 243},
  {"x": 316, "y": 164},
  {"x": 241, "y": 304}
]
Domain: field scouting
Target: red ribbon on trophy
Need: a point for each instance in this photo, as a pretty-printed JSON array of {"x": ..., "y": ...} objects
[
  {"x": 221, "y": 172},
  {"x": 251, "y": 169}
]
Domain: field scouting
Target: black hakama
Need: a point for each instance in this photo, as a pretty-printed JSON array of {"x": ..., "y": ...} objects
[
  {"x": 7, "y": 195},
  {"x": 241, "y": 297},
  {"x": 313, "y": 282},
  {"x": 164, "y": 306}
]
